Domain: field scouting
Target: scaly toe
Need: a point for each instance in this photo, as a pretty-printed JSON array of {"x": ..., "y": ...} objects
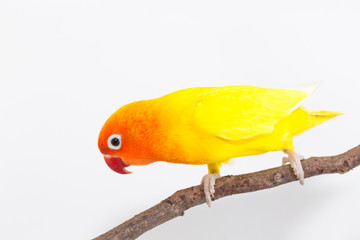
[
  {"x": 209, "y": 186},
  {"x": 295, "y": 163},
  {"x": 212, "y": 183}
]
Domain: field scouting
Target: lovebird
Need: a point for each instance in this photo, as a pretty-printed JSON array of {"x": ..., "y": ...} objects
[{"x": 210, "y": 125}]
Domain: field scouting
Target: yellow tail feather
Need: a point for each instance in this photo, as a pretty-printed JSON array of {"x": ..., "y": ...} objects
[{"x": 311, "y": 118}]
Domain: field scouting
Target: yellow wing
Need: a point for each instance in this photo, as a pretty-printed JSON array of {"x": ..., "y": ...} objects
[{"x": 241, "y": 112}]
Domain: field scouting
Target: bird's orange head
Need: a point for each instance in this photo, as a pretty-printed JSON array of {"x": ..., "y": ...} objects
[{"x": 126, "y": 137}]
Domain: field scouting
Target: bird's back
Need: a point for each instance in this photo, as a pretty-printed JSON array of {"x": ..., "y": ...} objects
[{"x": 212, "y": 124}]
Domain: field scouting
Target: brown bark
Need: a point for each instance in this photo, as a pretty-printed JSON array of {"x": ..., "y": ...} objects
[{"x": 176, "y": 204}]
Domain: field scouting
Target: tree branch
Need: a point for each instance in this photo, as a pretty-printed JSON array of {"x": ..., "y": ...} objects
[{"x": 180, "y": 201}]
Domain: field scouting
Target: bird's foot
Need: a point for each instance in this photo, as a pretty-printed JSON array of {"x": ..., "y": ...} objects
[
  {"x": 209, "y": 186},
  {"x": 295, "y": 162}
]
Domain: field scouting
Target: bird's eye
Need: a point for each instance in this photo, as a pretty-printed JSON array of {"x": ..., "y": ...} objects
[{"x": 114, "y": 141}]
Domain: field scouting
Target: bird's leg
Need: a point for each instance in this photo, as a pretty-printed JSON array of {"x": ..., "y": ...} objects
[
  {"x": 295, "y": 162},
  {"x": 209, "y": 182}
]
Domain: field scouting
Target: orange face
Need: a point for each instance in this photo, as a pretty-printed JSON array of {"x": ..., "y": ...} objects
[
  {"x": 110, "y": 142},
  {"x": 128, "y": 137}
]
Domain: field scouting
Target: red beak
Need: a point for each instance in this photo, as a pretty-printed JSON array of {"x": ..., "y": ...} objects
[{"x": 116, "y": 164}]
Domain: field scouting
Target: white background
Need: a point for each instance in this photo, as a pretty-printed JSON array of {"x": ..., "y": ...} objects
[{"x": 66, "y": 65}]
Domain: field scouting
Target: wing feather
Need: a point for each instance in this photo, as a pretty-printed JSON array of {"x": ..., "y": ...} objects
[{"x": 242, "y": 112}]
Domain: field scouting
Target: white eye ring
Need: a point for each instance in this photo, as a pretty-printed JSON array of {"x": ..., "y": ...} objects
[{"x": 114, "y": 141}]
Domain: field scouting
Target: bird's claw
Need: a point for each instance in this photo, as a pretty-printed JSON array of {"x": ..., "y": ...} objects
[
  {"x": 295, "y": 162},
  {"x": 209, "y": 186}
]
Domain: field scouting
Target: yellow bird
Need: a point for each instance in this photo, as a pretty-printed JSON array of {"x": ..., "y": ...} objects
[{"x": 209, "y": 125}]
